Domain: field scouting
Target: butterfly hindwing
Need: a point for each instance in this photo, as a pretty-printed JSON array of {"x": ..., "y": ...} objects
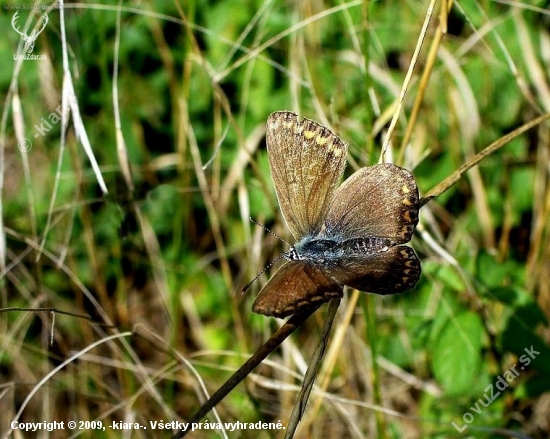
[
  {"x": 393, "y": 271},
  {"x": 296, "y": 287}
]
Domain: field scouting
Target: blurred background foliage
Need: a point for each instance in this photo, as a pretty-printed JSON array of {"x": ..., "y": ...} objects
[{"x": 166, "y": 255}]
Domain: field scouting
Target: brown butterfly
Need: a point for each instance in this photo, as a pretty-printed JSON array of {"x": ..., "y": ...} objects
[{"x": 350, "y": 235}]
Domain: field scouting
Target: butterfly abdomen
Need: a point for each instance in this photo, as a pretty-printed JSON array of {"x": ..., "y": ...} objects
[{"x": 369, "y": 245}]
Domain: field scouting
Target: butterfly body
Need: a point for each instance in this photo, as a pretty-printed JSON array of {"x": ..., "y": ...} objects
[
  {"x": 326, "y": 252},
  {"x": 351, "y": 235}
]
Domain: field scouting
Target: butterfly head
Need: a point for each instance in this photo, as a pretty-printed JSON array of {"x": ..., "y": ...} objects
[{"x": 292, "y": 255}]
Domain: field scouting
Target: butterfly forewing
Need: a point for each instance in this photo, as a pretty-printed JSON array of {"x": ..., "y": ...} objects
[
  {"x": 393, "y": 271},
  {"x": 296, "y": 287},
  {"x": 379, "y": 201},
  {"x": 306, "y": 162}
]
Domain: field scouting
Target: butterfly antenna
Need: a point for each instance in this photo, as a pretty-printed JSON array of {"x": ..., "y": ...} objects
[
  {"x": 247, "y": 286},
  {"x": 268, "y": 231}
]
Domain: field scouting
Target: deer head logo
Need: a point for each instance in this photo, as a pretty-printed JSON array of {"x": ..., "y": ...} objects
[{"x": 29, "y": 39}]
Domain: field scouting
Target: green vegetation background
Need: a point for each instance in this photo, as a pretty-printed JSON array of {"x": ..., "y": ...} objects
[{"x": 167, "y": 256}]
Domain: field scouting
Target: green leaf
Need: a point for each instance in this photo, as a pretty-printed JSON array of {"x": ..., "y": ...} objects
[
  {"x": 457, "y": 353},
  {"x": 493, "y": 273},
  {"x": 520, "y": 338},
  {"x": 522, "y": 186}
]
